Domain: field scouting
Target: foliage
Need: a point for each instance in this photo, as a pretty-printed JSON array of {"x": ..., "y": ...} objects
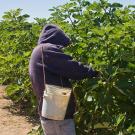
[
  {"x": 18, "y": 38},
  {"x": 103, "y": 35},
  {"x": 37, "y": 131}
]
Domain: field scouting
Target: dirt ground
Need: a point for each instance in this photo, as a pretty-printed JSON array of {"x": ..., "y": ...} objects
[{"x": 12, "y": 123}]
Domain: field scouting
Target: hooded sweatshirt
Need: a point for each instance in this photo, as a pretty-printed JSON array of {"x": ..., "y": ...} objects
[{"x": 59, "y": 68}]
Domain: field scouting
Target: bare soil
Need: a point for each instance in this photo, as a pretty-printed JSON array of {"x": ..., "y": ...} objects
[{"x": 12, "y": 123}]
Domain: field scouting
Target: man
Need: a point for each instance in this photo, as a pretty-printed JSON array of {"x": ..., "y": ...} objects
[{"x": 58, "y": 68}]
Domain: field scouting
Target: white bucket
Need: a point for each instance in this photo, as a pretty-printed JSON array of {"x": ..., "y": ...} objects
[{"x": 55, "y": 102}]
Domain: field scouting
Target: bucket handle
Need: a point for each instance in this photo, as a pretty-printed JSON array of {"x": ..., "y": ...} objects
[{"x": 43, "y": 69}]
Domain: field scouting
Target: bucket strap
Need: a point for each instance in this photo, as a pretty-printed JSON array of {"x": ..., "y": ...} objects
[{"x": 43, "y": 69}]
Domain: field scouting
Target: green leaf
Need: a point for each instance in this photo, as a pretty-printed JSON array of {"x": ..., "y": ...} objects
[
  {"x": 120, "y": 119},
  {"x": 117, "y": 5}
]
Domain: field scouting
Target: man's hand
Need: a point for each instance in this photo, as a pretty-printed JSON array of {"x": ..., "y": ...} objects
[{"x": 97, "y": 74}]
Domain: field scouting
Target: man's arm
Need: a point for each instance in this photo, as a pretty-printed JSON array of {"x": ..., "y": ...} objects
[{"x": 59, "y": 63}]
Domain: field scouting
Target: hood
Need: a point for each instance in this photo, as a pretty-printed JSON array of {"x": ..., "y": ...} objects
[{"x": 54, "y": 35}]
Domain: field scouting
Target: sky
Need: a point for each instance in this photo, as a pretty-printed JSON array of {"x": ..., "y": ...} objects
[{"x": 39, "y": 8}]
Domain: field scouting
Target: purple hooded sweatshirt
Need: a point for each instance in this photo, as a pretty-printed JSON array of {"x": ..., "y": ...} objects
[{"x": 59, "y": 68}]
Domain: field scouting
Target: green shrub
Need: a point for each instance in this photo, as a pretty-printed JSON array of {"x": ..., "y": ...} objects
[
  {"x": 18, "y": 38},
  {"x": 103, "y": 35}
]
